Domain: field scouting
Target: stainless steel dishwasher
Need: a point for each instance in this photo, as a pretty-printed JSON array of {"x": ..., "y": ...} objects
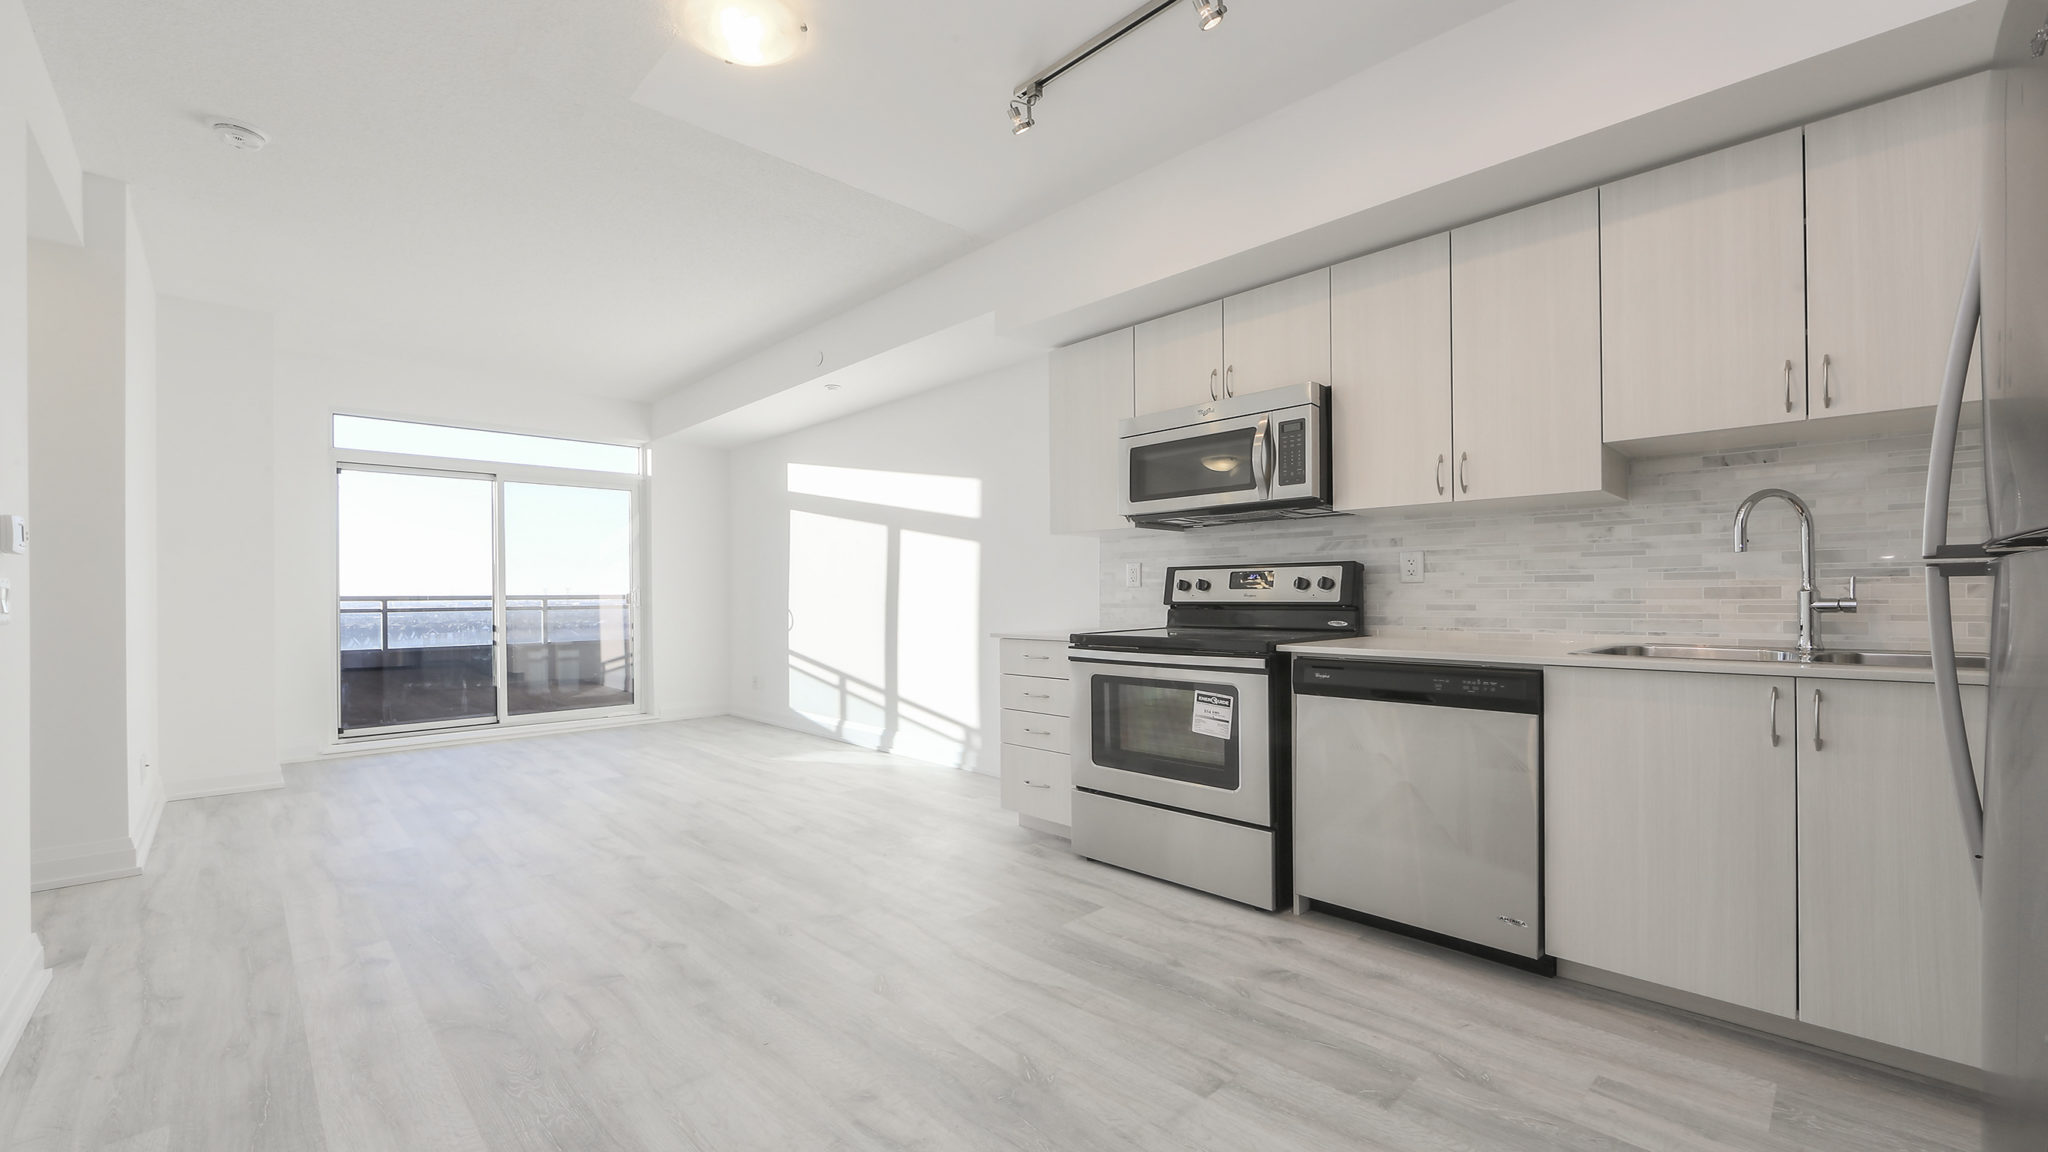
[{"x": 1418, "y": 801}]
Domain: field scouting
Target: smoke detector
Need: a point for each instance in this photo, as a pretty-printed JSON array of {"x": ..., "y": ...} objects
[{"x": 240, "y": 137}]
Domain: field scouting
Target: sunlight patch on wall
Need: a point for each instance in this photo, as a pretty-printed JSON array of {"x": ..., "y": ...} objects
[{"x": 947, "y": 495}]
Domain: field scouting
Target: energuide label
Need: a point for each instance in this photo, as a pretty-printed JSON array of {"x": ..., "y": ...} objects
[{"x": 1212, "y": 714}]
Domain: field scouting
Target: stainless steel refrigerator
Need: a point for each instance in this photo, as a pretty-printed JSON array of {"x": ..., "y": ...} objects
[{"x": 2007, "y": 822}]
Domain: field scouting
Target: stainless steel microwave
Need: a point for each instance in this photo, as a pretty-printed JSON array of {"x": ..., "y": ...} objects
[{"x": 1265, "y": 456}]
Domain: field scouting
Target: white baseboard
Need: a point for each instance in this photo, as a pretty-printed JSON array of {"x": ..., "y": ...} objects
[
  {"x": 151, "y": 814},
  {"x": 225, "y": 785},
  {"x": 22, "y": 981}
]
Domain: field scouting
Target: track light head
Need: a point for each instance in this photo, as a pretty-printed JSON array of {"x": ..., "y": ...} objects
[
  {"x": 1210, "y": 13},
  {"x": 1021, "y": 120}
]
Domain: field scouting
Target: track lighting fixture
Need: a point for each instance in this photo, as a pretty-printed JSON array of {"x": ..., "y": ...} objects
[
  {"x": 1208, "y": 13},
  {"x": 1020, "y": 113}
]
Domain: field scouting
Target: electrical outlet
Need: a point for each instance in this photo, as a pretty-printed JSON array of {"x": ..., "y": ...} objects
[
  {"x": 1412, "y": 567},
  {"x": 1134, "y": 574}
]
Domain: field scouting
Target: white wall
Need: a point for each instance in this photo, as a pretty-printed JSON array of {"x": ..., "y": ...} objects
[
  {"x": 685, "y": 601},
  {"x": 994, "y": 429},
  {"x": 307, "y": 390},
  {"x": 216, "y": 548},
  {"x": 91, "y": 463}
]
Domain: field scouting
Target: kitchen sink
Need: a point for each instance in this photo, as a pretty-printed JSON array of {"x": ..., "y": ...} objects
[{"x": 1781, "y": 655}]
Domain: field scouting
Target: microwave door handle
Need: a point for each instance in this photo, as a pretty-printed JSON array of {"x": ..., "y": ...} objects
[{"x": 1262, "y": 469}]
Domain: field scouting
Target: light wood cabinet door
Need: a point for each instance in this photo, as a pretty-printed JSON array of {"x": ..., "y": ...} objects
[
  {"x": 1703, "y": 293},
  {"x": 1670, "y": 837},
  {"x": 1277, "y": 335},
  {"x": 1525, "y": 354},
  {"x": 1090, "y": 390},
  {"x": 1888, "y": 910},
  {"x": 1894, "y": 197},
  {"x": 1180, "y": 359},
  {"x": 1390, "y": 376}
]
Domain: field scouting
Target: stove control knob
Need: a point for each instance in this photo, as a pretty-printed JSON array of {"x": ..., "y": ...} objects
[
  {"x": 1182, "y": 585},
  {"x": 1301, "y": 583},
  {"x": 1326, "y": 583},
  {"x": 1201, "y": 585}
]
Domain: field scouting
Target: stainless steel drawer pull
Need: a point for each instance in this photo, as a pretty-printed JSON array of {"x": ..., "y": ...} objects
[
  {"x": 1214, "y": 377},
  {"x": 1038, "y": 695},
  {"x": 1440, "y": 460},
  {"x": 1036, "y": 732},
  {"x": 1029, "y": 656},
  {"x": 1816, "y": 720},
  {"x": 1774, "y": 716},
  {"x": 1788, "y": 385},
  {"x": 1827, "y": 381},
  {"x": 1464, "y": 484},
  {"x": 1029, "y": 784}
]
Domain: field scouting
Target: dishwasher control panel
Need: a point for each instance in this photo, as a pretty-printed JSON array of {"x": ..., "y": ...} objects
[{"x": 1441, "y": 685}]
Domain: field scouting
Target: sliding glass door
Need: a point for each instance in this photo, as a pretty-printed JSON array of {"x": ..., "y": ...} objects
[{"x": 474, "y": 599}]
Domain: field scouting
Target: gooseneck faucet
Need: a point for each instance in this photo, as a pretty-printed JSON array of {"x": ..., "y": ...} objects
[{"x": 1809, "y": 607}]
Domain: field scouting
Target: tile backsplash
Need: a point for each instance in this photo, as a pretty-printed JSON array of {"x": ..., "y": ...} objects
[{"x": 1662, "y": 564}]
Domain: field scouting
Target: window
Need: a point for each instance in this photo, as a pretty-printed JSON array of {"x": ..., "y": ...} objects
[{"x": 503, "y": 595}]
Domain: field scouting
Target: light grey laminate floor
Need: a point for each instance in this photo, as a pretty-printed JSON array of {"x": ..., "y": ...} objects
[{"x": 717, "y": 935}]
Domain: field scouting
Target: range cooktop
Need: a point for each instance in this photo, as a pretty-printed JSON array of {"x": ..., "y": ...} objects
[{"x": 1248, "y": 611}]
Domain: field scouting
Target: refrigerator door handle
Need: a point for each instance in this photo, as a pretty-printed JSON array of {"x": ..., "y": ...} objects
[
  {"x": 1941, "y": 457},
  {"x": 1948, "y": 697}
]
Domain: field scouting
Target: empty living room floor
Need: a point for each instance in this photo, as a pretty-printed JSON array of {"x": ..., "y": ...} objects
[{"x": 719, "y": 935}]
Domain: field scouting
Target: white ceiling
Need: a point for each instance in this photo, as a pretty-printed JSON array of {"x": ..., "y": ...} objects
[
  {"x": 475, "y": 181},
  {"x": 907, "y": 99}
]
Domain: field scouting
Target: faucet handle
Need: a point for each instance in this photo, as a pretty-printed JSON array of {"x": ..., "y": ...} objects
[{"x": 1845, "y": 604}]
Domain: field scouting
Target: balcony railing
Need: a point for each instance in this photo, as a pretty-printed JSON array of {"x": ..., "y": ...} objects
[{"x": 410, "y": 660}]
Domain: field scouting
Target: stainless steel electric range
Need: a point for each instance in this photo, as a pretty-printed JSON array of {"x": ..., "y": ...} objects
[{"x": 1184, "y": 734}]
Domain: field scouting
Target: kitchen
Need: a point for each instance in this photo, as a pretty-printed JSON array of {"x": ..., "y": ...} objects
[{"x": 745, "y": 574}]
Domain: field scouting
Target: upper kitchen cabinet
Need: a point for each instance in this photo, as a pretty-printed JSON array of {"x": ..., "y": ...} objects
[
  {"x": 1703, "y": 294},
  {"x": 1180, "y": 359},
  {"x": 1893, "y": 202},
  {"x": 1277, "y": 335},
  {"x": 1525, "y": 355},
  {"x": 1090, "y": 390},
  {"x": 1390, "y": 376}
]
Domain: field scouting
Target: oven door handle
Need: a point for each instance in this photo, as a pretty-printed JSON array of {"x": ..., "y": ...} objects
[{"x": 1262, "y": 468}]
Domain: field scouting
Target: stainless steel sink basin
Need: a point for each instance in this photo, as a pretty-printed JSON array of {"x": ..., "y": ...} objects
[{"x": 1781, "y": 655}]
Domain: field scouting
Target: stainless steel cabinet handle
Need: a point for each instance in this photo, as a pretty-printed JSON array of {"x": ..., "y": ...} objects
[
  {"x": 1774, "y": 716},
  {"x": 1440, "y": 474},
  {"x": 1827, "y": 381},
  {"x": 1816, "y": 720},
  {"x": 1788, "y": 385},
  {"x": 1036, "y": 732},
  {"x": 1464, "y": 485},
  {"x": 1029, "y": 784},
  {"x": 1230, "y": 380},
  {"x": 1213, "y": 384},
  {"x": 1038, "y": 695},
  {"x": 1029, "y": 656}
]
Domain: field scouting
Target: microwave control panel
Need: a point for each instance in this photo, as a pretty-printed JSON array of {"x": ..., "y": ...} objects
[{"x": 1293, "y": 468}]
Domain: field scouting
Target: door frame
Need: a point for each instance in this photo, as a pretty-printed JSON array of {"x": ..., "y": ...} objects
[{"x": 498, "y": 475}]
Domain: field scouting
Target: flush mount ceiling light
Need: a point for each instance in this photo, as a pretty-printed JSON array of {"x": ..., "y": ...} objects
[
  {"x": 755, "y": 33},
  {"x": 240, "y": 137},
  {"x": 1208, "y": 14}
]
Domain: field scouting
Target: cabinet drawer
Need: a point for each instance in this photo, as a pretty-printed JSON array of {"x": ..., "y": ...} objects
[
  {"x": 1038, "y": 783},
  {"x": 1038, "y": 694},
  {"x": 1032, "y": 730},
  {"x": 1034, "y": 658}
]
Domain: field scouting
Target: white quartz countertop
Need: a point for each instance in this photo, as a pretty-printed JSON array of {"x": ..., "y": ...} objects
[{"x": 1552, "y": 650}]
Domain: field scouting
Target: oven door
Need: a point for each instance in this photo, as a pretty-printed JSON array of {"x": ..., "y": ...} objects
[
  {"x": 1262, "y": 458},
  {"x": 1187, "y": 732}
]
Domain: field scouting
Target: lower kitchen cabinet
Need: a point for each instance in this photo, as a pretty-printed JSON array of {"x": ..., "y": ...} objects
[
  {"x": 1036, "y": 765},
  {"x": 1787, "y": 845},
  {"x": 1888, "y": 908},
  {"x": 1670, "y": 830}
]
